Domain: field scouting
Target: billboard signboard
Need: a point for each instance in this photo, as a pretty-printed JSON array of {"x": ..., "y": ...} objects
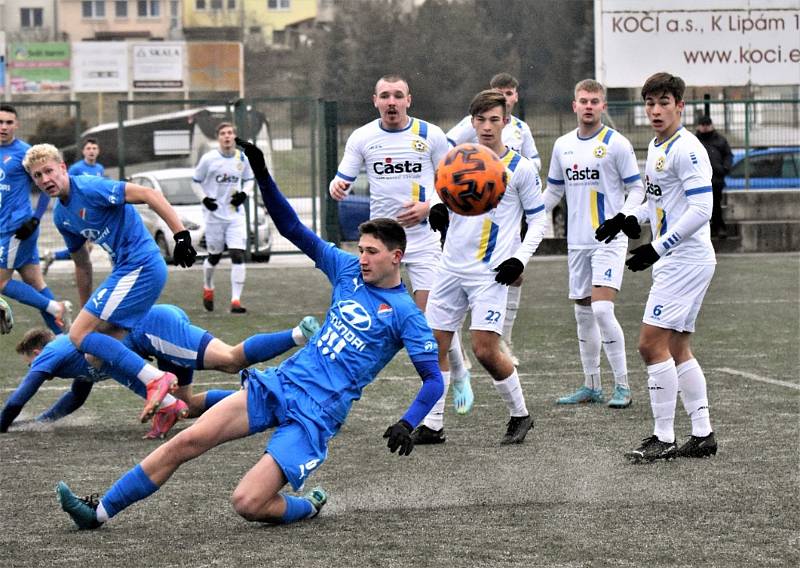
[
  {"x": 39, "y": 67},
  {"x": 158, "y": 66},
  {"x": 99, "y": 67}
]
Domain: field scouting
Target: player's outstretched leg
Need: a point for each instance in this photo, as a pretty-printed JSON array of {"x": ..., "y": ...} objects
[
  {"x": 157, "y": 389},
  {"x": 165, "y": 418},
  {"x": 83, "y": 511}
]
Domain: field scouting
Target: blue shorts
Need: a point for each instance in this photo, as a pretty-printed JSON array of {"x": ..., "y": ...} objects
[
  {"x": 128, "y": 293},
  {"x": 299, "y": 444},
  {"x": 15, "y": 253}
]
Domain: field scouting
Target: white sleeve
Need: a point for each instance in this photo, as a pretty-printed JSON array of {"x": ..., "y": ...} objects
[
  {"x": 462, "y": 132},
  {"x": 352, "y": 161},
  {"x": 201, "y": 171},
  {"x": 555, "y": 182},
  {"x": 629, "y": 173},
  {"x": 534, "y": 210},
  {"x": 529, "y": 149}
]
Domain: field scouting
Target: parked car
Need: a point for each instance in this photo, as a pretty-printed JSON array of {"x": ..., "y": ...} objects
[
  {"x": 176, "y": 185},
  {"x": 770, "y": 168},
  {"x": 354, "y": 209}
]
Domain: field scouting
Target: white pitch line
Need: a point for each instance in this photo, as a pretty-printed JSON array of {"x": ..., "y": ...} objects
[{"x": 759, "y": 378}]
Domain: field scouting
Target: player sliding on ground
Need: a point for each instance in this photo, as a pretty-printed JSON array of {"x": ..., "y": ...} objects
[{"x": 308, "y": 396}]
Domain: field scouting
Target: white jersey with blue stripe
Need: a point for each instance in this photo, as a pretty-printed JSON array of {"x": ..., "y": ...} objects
[
  {"x": 60, "y": 358},
  {"x": 677, "y": 169},
  {"x": 516, "y": 135},
  {"x": 593, "y": 172},
  {"x": 96, "y": 210},
  {"x": 400, "y": 166},
  {"x": 363, "y": 330},
  {"x": 476, "y": 245},
  {"x": 15, "y": 187},
  {"x": 221, "y": 176}
]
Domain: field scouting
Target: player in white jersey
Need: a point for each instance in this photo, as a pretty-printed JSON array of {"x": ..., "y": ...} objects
[
  {"x": 225, "y": 179},
  {"x": 679, "y": 204},
  {"x": 480, "y": 260},
  {"x": 517, "y": 136},
  {"x": 595, "y": 166},
  {"x": 400, "y": 154}
]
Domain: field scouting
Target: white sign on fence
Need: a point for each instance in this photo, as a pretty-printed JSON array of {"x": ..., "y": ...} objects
[
  {"x": 706, "y": 42},
  {"x": 158, "y": 66},
  {"x": 99, "y": 67}
]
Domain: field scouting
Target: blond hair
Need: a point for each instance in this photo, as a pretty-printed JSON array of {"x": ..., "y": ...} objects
[
  {"x": 40, "y": 153},
  {"x": 590, "y": 86}
]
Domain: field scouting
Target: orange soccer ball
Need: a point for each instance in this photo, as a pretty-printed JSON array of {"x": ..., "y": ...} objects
[{"x": 471, "y": 179}]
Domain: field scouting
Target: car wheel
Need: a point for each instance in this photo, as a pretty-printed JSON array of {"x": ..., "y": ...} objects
[{"x": 161, "y": 241}]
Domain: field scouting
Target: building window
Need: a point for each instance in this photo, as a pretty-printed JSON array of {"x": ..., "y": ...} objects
[
  {"x": 199, "y": 4},
  {"x": 231, "y": 4},
  {"x": 216, "y": 4},
  {"x": 121, "y": 9},
  {"x": 174, "y": 14},
  {"x": 148, "y": 8},
  {"x": 279, "y": 4},
  {"x": 31, "y": 17},
  {"x": 94, "y": 9}
]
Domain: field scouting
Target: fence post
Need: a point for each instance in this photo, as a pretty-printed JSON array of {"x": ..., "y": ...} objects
[
  {"x": 240, "y": 122},
  {"x": 331, "y": 127},
  {"x": 122, "y": 109},
  {"x": 747, "y": 144}
]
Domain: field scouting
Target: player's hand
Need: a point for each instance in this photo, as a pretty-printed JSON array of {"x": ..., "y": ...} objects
[
  {"x": 6, "y": 317},
  {"x": 254, "y": 156},
  {"x": 210, "y": 203},
  {"x": 509, "y": 271},
  {"x": 184, "y": 253},
  {"x": 238, "y": 198},
  {"x": 631, "y": 227},
  {"x": 399, "y": 435},
  {"x": 27, "y": 228},
  {"x": 439, "y": 218},
  {"x": 414, "y": 212},
  {"x": 610, "y": 228},
  {"x": 643, "y": 257},
  {"x": 338, "y": 189}
]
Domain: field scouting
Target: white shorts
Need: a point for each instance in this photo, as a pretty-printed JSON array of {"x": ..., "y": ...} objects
[
  {"x": 452, "y": 296},
  {"x": 601, "y": 266},
  {"x": 422, "y": 266},
  {"x": 677, "y": 294},
  {"x": 233, "y": 234}
]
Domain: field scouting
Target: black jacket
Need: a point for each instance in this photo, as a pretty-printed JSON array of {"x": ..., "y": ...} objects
[{"x": 719, "y": 154}]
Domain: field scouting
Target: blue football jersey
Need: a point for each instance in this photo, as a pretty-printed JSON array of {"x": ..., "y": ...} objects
[
  {"x": 81, "y": 168},
  {"x": 60, "y": 358},
  {"x": 364, "y": 328},
  {"x": 96, "y": 210},
  {"x": 15, "y": 187}
]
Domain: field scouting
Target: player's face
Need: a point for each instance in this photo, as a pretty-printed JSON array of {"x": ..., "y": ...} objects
[
  {"x": 511, "y": 95},
  {"x": 589, "y": 108},
  {"x": 489, "y": 126},
  {"x": 90, "y": 153},
  {"x": 379, "y": 265},
  {"x": 664, "y": 114},
  {"x": 226, "y": 139},
  {"x": 51, "y": 177},
  {"x": 392, "y": 101},
  {"x": 8, "y": 127}
]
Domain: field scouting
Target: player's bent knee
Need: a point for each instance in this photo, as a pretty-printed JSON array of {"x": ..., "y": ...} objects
[
  {"x": 213, "y": 259},
  {"x": 248, "y": 506},
  {"x": 237, "y": 256}
]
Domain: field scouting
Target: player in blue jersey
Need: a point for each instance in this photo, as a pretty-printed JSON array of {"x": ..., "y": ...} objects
[
  {"x": 306, "y": 399},
  {"x": 165, "y": 334},
  {"x": 19, "y": 230},
  {"x": 100, "y": 210},
  {"x": 88, "y": 166}
]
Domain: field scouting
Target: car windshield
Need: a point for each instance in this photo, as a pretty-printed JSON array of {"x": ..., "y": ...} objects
[{"x": 178, "y": 191}]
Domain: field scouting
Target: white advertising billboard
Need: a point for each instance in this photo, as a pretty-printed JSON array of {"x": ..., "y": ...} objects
[
  {"x": 706, "y": 42},
  {"x": 158, "y": 66},
  {"x": 99, "y": 67}
]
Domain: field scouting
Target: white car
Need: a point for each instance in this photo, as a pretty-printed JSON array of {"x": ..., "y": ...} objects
[{"x": 176, "y": 185}]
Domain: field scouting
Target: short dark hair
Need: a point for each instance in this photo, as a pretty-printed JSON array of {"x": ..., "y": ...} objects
[
  {"x": 486, "y": 100},
  {"x": 502, "y": 80},
  {"x": 35, "y": 338},
  {"x": 89, "y": 141},
  {"x": 705, "y": 120},
  {"x": 664, "y": 84},
  {"x": 388, "y": 231},
  {"x": 392, "y": 78},
  {"x": 4, "y": 107}
]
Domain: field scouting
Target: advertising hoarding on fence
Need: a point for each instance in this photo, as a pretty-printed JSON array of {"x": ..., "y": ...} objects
[
  {"x": 706, "y": 42},
  {"x": 99, "y": 67},
  {"x": 215, "y": 66},
  {"x": 158, "y": 66},
  {"x": 39, "y": 67}
]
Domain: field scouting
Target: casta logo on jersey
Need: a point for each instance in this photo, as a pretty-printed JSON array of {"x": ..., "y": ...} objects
[
  {"x": 575, "y": 174},
  {"x": 225, "y": 178},
  {"x": 355, "y": 315},
  {"x": 389, "y": 166},
  {"x": 652, "y": 188}
]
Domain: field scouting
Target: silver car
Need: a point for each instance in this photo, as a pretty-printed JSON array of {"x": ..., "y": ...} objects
[{"x": 176, "y": 185}]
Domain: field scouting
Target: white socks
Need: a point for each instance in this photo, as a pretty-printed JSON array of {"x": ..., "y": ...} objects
[
  {"x": 435, "y": 418},
  {"x": 238, "y": 272},
  {"x": 692, "y": 387},
  {"x": 613, "y": 340},
  {"x": 589, "y": 345},
  {"x": 208, "y": 275},
  {"x": 512, "y": 306},
  {"x": 663, "y": 386},
  {"x": 511, "y": 392},
  {"x": 456, "y": 357}
]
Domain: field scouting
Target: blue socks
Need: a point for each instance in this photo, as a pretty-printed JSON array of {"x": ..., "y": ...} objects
[
  {"x": 297, "y": 509},
  {"x": 62, "y": 254},
  {"x": 26, "y": 294},
  {"x": 49, "y": 319},
  {"x": 114, "y": 353},
  {"x": 265, "y": 346},
  {"x": 214, "y": 396},
  {"x": 131, "y": 487}
]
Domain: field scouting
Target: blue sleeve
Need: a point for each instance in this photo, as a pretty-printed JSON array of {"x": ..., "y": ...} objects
[
  {"x": 41, "y": 205},
  {"x": 20, "y": 397},
  {"x": 68, "y": 403},
  {"x": 430, "y": 391}
]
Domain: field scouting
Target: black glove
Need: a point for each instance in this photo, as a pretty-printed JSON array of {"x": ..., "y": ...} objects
[
  {"x": 399, "y": 435},
  {"x": 210, "y": 203},
  {"x": 508, "y": 271},
  {"x": 27, "y": 228},
  {"x": 184, "y": 253},
  {"x": 609, "y": 228},
  {"x": 238, "y": 198},
  {"x": 439, "y": 218},
  {"x": 254, "y": 156},
  {"x": 643, "y": 257}
]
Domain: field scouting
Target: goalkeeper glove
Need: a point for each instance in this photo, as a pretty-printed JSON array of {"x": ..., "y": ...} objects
[
  {"x": 399, "y": 435},
  {"x": 27, "y": 228},
  {"x": 210, "y": 203},
  {"x": 254, "y": 156},
  {"x": 184, "y": 253},
  {"x": 508, "y": 271},
  {"x": 238, "y": 198}
]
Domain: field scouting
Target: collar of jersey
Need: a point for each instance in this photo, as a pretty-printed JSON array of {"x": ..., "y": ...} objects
[
  {"x": 599, "y": 130},
  {"x": 399, "y": 288},
  {"x": 670, "y": 139},
  {"x": 410, "y": 124}
]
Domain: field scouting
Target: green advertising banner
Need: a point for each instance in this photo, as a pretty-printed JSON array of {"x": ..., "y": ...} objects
[{"x": 39, "y": 67}]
